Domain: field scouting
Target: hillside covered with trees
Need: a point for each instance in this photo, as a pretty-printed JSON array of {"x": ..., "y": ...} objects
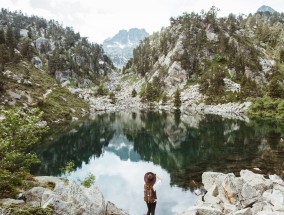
[
  {"x": 39, "y": 57},
  {"x": 56, "y": 48},
  {"x": 200, "y": 48}
]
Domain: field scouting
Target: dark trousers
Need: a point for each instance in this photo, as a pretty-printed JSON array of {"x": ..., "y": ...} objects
[{"x": 151, "y": 208}]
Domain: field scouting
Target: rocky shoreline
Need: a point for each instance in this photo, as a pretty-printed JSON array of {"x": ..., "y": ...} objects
[
  {"x": 249, "y": 194},
  {"x": 124, "y": 101}
]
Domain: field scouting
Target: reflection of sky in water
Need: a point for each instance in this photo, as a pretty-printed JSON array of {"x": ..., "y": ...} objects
[{"x": 122, "y": 183}]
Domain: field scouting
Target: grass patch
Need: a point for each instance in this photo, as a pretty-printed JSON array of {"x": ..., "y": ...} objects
[
  {"x": 59, "y": 105},
  {"x": 26, "y": 210}
]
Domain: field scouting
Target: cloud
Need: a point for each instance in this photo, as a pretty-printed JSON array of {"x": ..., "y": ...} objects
[{"x": 99, "y": 20}]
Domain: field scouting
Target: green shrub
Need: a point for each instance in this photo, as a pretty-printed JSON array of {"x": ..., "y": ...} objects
[
  {"x": 102, "y": 91},
  {"x": 26, "y": 210},
  {"x": 68, "y": 168},
  {"x": 134, "y": 93},
  {"x": 112, "y": 97},
  {"x": 118, "y": 88},
  {"x": 89, "y": 181},
  {"x": 164, "y": 98},
  {"x": 267, "y": 107},
  {"x": 19, "y": 131}
]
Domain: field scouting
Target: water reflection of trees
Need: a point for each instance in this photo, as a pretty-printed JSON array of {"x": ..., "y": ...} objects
[
  {"x": 182, "y": 147},
  {"x": 79, "y": 144},
  {"x": 216, "y": 145}
]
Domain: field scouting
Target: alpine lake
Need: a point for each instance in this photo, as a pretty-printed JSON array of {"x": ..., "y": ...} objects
[{"x": 119, "y": 148}]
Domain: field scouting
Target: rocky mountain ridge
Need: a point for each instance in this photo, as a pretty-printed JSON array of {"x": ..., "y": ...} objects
[
  {"x": 120, "y": 47},
  {"x": 265, "y": 8}
]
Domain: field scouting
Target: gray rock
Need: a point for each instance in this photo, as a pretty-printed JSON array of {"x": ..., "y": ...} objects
[
  {"x": 9, "y": 201},
  {"x": 111, "y": 209},
  {"x": 256, "y": 180},
  {"x": 277, "y": 186},
  {"x": 259, "y": 206},
  {"x": 41, "y": 123},
  {"x": 27, "y": 82},
  {"x": 246, "y": 211},
  {"x": 34, "y": 195},
  {"x": 232, "y": 187},
  {"x": 209, "y": 178},
  {"x": 202, "y": 210},
  {"x": 67, "y": 197},
  {"x": 79, "y": 60},
  {"x": 274, "y": 197},
  {"x": 63, "y": 76},
  {"x": 14, "y": 95},
  {"x": 24, "y": 33},
  {"x": 249, "y": 195},
  {"x": 40, "y": 41},
  {"x": 269, "y": 213},
  {"x": 37, "y": 62},
  {"x": 211, "y": 36},
  {"x": 229, "y": 208}
]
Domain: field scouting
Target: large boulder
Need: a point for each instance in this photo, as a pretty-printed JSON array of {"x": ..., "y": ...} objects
[
  {"x": 210, "y": 178},
  {"x": 63, "y": 76},
  {"x": 40, "y": 41},
  {"x": 67, "y": 197},
  {"x": 256, "y": 180},
  {"x": 37, "y": 62},
  {"x": 24, "y": 33},
  {"x": 111, "y": 209}
]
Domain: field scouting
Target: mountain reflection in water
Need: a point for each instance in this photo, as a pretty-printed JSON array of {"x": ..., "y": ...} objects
[{"x": 118, "y": 148}]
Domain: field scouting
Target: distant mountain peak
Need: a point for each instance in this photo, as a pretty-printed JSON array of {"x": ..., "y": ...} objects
[
  {"x": 265, "y": 8},
  {"x": 120, "y": 47}
]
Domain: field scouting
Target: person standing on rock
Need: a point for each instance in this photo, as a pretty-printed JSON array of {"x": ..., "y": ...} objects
[{"x": 150, "y": 195}]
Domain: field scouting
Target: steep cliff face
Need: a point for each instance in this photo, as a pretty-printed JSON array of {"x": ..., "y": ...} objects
[{"x": 120, "y": 47}]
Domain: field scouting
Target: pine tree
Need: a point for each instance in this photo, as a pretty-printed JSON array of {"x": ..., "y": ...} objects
[
  {"x": 281, "y": 56},
  {"x": 275, "y": 89},
  {"x": 2, "y": 36},
  {"x": 27, "y": 49},
  {"x": 177, "y": 100},
  {"x": 134, "y": 93},
  {"x": 4, "y": 56},
  {"x": 149, "y": 92},
  {"x": 10, "y": 42},
  {"x": 52, "y": 64}
]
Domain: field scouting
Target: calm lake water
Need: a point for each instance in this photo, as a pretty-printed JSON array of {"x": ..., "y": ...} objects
[{"x": 119, "y": 148}]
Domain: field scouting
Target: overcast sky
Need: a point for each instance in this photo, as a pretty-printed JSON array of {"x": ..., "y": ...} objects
[{"x": 100, "y": 19}]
